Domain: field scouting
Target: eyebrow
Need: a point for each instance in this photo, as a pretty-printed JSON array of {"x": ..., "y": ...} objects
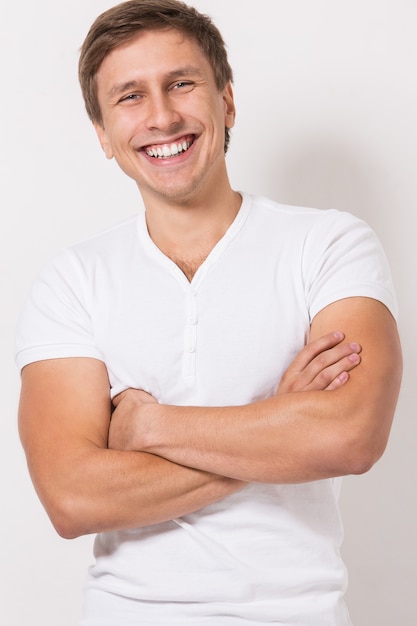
[{"x": 181, "y": 72}]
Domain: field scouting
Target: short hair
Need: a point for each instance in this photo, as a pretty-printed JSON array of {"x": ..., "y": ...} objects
[{"x": 122, "y": 23}]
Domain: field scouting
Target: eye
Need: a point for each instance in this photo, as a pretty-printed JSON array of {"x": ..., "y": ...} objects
[
  {"x": 183, "y": 85},
  {"x": 131, "y": 97}
]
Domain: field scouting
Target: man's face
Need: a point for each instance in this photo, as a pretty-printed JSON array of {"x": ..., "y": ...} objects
[{"x": 163, "y": 116}]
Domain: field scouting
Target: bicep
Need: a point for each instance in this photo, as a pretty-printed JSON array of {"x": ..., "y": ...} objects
[
  {"x": 366, "y": 321},
  {"x": 373, "y": 387},
  {"x": 64, "y": 418},
  {"x": 64, "y": 410}
]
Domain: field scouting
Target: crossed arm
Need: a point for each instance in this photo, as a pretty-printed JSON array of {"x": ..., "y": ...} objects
[
  {"x": 292, "y": 437},
  {"x": 157, "y": 467}
]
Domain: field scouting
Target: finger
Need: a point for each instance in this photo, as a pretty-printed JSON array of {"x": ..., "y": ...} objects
[
  {"x": 326, "y": 366},
  {"x": 338, "y": 382},
  {"x": 143, "y": 396},
  {"x": 337, "y": 355},
  {"x": 135, "y": 394},
  {"x": 335, "y": 375},
  {"x": 317, "y": 347},
  {"x": 117, "y": 399}
]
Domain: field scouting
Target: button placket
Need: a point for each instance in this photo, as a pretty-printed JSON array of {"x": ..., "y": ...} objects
[{"x": 190, "y": 347}]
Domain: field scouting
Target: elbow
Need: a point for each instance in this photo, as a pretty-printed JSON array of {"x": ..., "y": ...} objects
[
  {"x": 64, "y": 508},
  {"x": 361, "y": 462},
  {"x": 65, "y": 527},
  {"x": 360, "y": 452},
  {"x": 68, "y": 519},
  {"x": 66, "y": 533},
  {"x": 67, "y": 530}
]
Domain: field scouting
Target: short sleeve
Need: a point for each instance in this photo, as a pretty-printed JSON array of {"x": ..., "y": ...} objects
[
  {"x": 344, "y": 258},
  {"x": 55, "y": 321}
]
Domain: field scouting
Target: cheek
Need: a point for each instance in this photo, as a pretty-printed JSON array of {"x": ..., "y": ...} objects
[{"x": 124, "y": 127}]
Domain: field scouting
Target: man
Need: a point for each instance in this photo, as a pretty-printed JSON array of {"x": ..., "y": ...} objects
[{"x": 191, "y": 379}]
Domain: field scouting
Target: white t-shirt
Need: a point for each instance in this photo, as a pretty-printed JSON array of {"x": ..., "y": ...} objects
[{"x": 270, "y": 553}]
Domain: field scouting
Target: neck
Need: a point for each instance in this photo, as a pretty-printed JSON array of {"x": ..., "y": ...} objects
[{"x": 187, "y": 233}]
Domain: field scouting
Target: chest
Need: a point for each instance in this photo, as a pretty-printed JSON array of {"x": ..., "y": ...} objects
[{"x": 225, "y": 337}]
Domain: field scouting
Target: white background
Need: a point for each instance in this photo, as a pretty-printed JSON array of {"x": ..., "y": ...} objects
[{"x": 327, "y": 98}]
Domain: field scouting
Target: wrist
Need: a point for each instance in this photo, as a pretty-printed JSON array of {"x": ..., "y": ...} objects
[{"x": 153, "y": 427}]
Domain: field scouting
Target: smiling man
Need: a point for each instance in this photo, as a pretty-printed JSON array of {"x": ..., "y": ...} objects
[
  {"x": 196, "y": 379},
  {"x": 163, "y": 120}
]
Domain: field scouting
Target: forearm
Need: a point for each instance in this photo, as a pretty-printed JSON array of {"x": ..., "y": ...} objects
[
  {"x": 251, "y": 439},
  {"x": 294, "y": 437},
  {"x": 64, "y": 418},
  {"x": 110, "y": 490},
  {"x": 286, "y": 439}
]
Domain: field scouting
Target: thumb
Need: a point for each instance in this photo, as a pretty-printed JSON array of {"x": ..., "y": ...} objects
[{"x": 118, "y": 398}]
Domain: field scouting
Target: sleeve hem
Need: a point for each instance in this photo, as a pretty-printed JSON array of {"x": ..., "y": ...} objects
[
  {"x": 44, "y": 353},
  {"x": 385, "y": 296}
]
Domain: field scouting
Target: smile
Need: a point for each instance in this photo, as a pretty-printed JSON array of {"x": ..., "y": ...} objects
[{"x": 167, "y": 151}]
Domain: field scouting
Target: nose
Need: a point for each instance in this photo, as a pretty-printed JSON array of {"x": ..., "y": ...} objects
[{"x": 161, "y": 114}]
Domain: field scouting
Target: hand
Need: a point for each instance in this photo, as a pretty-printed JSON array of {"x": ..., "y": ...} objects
[
  {"x": 125, "y": 418},
  {"x": 323, "y": 364}
]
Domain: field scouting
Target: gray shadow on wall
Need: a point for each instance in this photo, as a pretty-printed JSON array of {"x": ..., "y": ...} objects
[
  {"x": 324, "y": 172},
  {"x": 321, "y": 172}
]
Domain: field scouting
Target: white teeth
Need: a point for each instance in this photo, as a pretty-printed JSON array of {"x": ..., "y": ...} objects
[{"x": 168, "y": 151}]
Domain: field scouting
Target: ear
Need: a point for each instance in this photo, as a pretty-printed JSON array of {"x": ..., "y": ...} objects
[
  {"x": 103, "y": 139},
  {"x": 229, "y": 106}
]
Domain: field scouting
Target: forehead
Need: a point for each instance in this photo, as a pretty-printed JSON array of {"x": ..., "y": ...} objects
[{"x": 152, "y": 54}]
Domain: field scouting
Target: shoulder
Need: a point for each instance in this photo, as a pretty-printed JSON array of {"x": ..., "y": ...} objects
[
  {"x": 301, "y": 221},
  {"x": 118, "y": 237},
  {"x": 104, "y": 249}
]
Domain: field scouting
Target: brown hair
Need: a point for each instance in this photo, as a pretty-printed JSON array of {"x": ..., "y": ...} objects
[{"x": 123, "y": 22}]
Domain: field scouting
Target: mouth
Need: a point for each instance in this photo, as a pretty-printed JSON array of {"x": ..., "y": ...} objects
[{"x": 169, "y": 150}]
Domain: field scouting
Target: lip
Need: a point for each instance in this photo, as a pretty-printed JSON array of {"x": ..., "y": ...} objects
[{"x": 168, "y": 149}]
